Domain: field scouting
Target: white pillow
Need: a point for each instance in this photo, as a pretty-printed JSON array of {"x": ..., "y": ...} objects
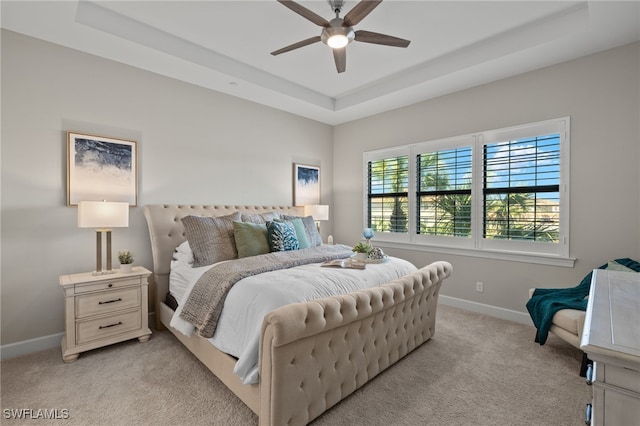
[{"x": 183, "y": 253}]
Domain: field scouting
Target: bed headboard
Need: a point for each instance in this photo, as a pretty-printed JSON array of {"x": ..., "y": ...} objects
[{"x": 167, "y": 232}]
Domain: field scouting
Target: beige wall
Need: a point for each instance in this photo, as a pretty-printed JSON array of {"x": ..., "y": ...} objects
[
  {"x": 598, "y": 92},
  {"x": 200, "y": 146},
  {"x": 194, "y": 146}
]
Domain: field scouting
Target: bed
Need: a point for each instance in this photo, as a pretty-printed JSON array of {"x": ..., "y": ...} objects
[{"x": 311, "y": 354}]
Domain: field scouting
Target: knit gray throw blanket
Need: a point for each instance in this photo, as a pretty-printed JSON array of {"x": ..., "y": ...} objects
[{"x": 204, "y": 304}]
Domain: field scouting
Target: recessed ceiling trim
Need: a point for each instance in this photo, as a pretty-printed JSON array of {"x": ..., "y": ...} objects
[
  {"x": 542, "y": 30},
  {"x": 187, "y": 41},
  {"x": 101, "y": 18}
]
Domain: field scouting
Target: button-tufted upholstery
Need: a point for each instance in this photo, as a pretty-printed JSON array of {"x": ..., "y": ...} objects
[
  {"x": 315, "y": 354},
  {"x": 166, "y": 232}
]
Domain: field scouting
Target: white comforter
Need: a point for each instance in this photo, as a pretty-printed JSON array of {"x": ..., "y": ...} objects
[{"x": 250, "y": 299}]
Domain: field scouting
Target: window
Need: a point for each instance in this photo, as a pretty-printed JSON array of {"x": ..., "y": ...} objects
[
  {"x": 444, "y": 193},
  {"x": 521, "y": 191},
  {"x": 502, "y": 190},
  {"x": 388, "y": 195}
]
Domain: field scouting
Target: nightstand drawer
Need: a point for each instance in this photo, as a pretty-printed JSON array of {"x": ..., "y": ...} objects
[
  {"x": 107, "y": 301},
  {"x": 100, "y": 328},
  {"x": 107, "y": 284}
]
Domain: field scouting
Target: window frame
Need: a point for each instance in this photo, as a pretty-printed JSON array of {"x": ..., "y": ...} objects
[
  {"x": 435, "y": 146},
  {"x": 529, "y": 251},
  {"x": 384, "y": 154}
]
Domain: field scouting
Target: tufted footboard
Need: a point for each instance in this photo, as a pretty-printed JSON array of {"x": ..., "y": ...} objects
[{"x": 314, "y": 354}]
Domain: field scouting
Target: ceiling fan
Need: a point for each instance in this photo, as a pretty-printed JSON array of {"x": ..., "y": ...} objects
[{"x": 338, "y": 32}]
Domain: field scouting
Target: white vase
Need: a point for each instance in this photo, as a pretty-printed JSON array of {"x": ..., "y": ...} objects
[
  {"x": 362, "y": 256},
  {"x": 125, "y": 268}
]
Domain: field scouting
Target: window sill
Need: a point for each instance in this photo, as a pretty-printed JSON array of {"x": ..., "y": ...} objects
[{"x": 541, "y": 259}]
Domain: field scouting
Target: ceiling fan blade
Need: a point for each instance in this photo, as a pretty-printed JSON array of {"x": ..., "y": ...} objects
[
  {"x": 360, "y": 11},
  {"x": 340, "y": 56},
  {"x": 296, "y": 45},
  {"x": 305, "y": 13},
  {"x": 377, "y": 38}
]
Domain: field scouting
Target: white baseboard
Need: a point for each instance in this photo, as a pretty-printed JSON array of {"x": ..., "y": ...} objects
[
  {"x": 481, "y": 308},
  {"x": 13, "y": 350},
  {"x": 25, "y": 347}
]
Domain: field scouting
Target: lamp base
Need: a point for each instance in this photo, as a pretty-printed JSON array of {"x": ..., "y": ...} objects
[{"x": 99, "y": 270}]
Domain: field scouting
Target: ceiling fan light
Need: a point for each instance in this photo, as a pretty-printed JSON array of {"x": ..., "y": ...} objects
[
  {"x": 336, "y": 36},
  {"x": 337, "y": 41}
]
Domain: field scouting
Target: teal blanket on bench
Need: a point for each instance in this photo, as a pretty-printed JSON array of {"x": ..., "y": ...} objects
[{"x": 545, "y": 302}]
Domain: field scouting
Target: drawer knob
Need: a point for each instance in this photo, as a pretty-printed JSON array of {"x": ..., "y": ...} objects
[
  {"x": 110, "y": 325},
  {"x": 110, "y": 285},
  {"x": 119, "y": 299},
  {"x": 589, "y": 374},
  {"x": 587, "y": 415}
]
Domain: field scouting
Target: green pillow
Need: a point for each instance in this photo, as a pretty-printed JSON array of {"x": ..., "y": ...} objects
[
  {"x": 303, "y": 242},
  {"x": 312, "y": 234},
  {"x": 251, "y": 238}
]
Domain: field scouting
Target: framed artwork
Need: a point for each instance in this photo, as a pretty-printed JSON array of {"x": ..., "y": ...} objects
[
  {"x": 306, "y": 185},
  {"x": 101, "y": 168}
]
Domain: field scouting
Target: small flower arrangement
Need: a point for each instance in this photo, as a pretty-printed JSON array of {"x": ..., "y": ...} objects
[
  {"x": 361, "y": 248},
  {"x": 125, "y": 257}
]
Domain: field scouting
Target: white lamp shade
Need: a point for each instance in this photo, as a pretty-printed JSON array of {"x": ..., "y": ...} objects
[
  {"x": 318, "y": 211},
  {"x": 103, "y": 214}
]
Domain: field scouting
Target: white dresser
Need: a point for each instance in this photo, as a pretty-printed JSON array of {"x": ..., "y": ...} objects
[{"x": 611, "y": 339}]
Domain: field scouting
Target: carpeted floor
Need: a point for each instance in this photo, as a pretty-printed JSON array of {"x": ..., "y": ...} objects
[{"x": 476, "y": 370}]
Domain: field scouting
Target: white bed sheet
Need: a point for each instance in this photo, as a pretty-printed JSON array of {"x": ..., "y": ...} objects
[{"x": 250, "y": 299}]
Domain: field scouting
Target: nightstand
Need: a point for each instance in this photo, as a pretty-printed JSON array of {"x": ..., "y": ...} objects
[{"x": 104, "y": 309}]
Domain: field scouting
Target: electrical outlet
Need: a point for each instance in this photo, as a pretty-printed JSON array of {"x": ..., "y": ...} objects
[{"x": 479, "y": 286}]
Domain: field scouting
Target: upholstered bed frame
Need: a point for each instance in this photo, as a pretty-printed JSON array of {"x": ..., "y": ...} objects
[{"x": 313, "y": 354}]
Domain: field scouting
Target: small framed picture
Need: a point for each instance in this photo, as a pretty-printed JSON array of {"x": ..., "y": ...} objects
[
  {"x": 101, "y": 168},
  {"x": 306, "y": 185}
]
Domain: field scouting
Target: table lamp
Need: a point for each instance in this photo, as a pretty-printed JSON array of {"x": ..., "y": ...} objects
[
  {"x": 318, "y": 211},
  {"x": 103, "y": 215}
]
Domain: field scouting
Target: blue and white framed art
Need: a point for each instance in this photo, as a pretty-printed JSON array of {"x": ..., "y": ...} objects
[
  {"x": 306, "y": 185},
  {"x": 101, "y": 168}
]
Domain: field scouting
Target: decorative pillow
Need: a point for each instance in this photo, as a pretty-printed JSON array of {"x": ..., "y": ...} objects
[
  {"x": 282, "y": 236},
  {"x": 251, "y": 238},
  {"x": 313, "y": 236},
  {"x": 211, "y": 238},
  {"x": 260, "y": 218},
  {"x": 301, "y": 233}
]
